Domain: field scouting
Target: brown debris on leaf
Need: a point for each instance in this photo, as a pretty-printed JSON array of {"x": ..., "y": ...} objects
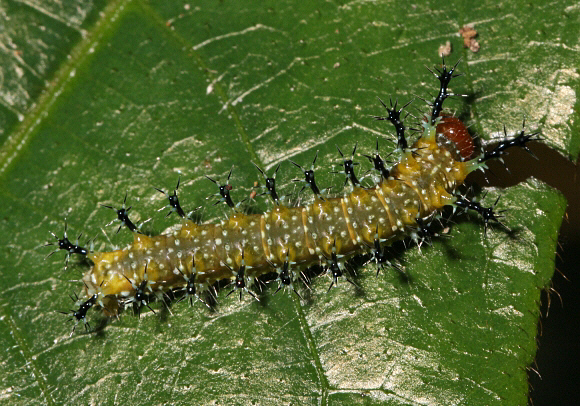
[
  {"x": 445, "y": 49},
  {"x": 469, "y": 34}
]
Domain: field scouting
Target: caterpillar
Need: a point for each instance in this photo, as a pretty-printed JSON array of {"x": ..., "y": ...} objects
[{"x": 188, "y": 262}]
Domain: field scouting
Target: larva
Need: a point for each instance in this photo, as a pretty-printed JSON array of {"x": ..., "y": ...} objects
[{"x": 287, "y": 240}]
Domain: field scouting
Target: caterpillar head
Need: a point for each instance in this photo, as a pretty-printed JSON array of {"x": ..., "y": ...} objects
[{"x": 454, "y": 136}]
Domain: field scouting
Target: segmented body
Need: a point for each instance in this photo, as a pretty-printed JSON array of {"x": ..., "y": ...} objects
[
  {"x": 419, "y": 185},
  {"x": 288, "y": 240}
]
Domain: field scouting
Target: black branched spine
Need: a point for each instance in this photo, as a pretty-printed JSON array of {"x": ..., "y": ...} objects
[
  {"x": 520, "y": 141},
  {"x": 394, "y": 116},
  {"x": 488, "y": 214},
  {"x": 122, "y": 216},
  {"x": 270, "y": 184},
  {"x": 173, "y": 202},
  {"x": 348, "y": 166},
  {"x": 309, "y": 178},
  {"x": 378, "y": 163},
  {"x": 224, "y": 191},
  {"x": 81, "y": 313},
  {"x": 444, "y": 76}
]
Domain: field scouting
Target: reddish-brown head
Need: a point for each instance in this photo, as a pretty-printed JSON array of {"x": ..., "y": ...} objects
[{"x": 455, "y": 131}]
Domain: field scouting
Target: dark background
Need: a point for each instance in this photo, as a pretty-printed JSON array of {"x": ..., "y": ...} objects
[{"x": 555, "y": 378}]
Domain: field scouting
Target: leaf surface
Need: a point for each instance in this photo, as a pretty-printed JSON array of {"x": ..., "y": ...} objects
[{"x": 138, "y": 92}]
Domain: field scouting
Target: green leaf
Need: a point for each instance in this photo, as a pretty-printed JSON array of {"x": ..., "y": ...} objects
[{"x": 136, "y": 92}]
